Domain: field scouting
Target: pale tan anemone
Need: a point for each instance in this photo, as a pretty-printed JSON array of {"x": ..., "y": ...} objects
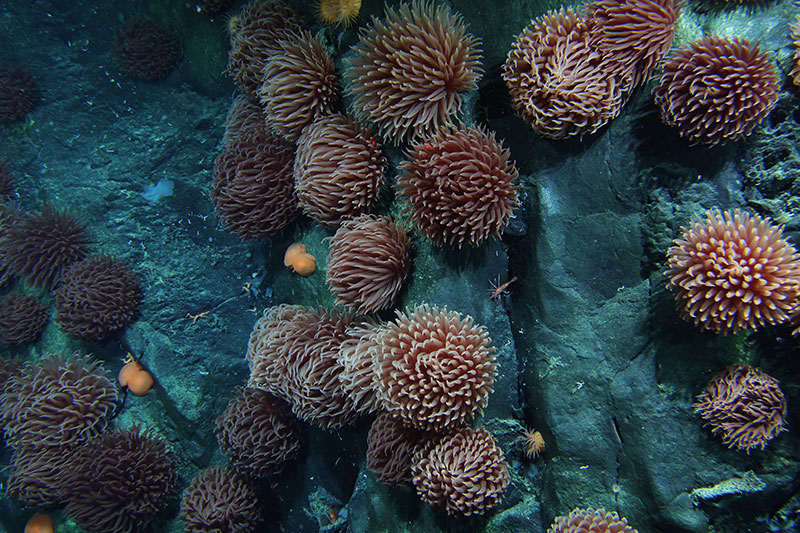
[
  {"x": 716, "y": 89},
  {"x": 254, "y": 31},
  {"x": 293, "y": 353},
  {"x": 460, "y": 187},
  {"x": 795, "y": 72},
  {"x": 464, "y": 472},
  {"x": 434, "y": 367},
  {"x": 594, "y": 520},
  {"x": 391, "y": 446},
  {"x": 559, "y": 81},
  {"x": 637, "y": 33},
  {"x": 298, "y": 84},
  {"x": 732, "y": 270},
  {"x": 368, "y": 262},
  {"x": 411, "y": 69},
  {"x": 338, "y": 169},
  {"x": 744, "y": 406}
]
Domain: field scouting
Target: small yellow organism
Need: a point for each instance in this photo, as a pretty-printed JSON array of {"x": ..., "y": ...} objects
[{"x": 339, "y": 12}]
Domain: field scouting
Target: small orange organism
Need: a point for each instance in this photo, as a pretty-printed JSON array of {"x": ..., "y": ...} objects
[
  {"x": 533, "y": 442},
  {"x": 40, "y": 523},
  {"x": 299, "y": 260},
  {"x": 339, "y": 12},
  {"x": 134, "y": 376},
  {"x": 497, "y": 289}
]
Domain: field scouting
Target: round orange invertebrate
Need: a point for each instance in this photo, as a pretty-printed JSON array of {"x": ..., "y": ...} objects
[
  {"x": 134, "y": 376},
  {"x": 338, "y": 12},
  {"x": 299, "y": 260},
  {"x": 40, "y": 523}
]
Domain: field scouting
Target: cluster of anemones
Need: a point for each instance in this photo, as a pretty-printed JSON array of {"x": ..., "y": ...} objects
[
  {"x": 430, "y": 370},
  {"x": 55, "y": 415},
  {"x": 731, "y": 271},
  {"x": 459, "y": 183},
  {"x": 570, "y": 71}
]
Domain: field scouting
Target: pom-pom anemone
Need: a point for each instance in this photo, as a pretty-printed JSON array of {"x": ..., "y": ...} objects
[
  {"x": 119, "y": 481},
  {"x": 338, "y": 169},
  {"x": 460, "y": 187},
  {"x": 744, "y": 406},
  {"x": 298, "y": 84},
  {"x": 411, "y": 69},
  {"x": 147, "y": 50},
  {"x": 293, "y": 353},
  {"x": 253, "y": 187},
  {"x": 40, "y": 246},
  {"x": 19, "y": 94},
  {"x": 62, "y": 401},
  {"x": 219, "y": 499},
  {"x": 593, "y": 520},
  {"x": 463, "y": 472},
  {"x": 717, "y": 89},
  {"x": 254, "y": 32},
  {"x": 734, "y": 270},
  {"x": 368, "y": 262},
  {"x": 559, "y": 81},
  {"x": 434, "y": 367},
  {"x": 258, "y": 433},
  {"x": 22, "y": 319},
  {"x": 96, "y": 297}
]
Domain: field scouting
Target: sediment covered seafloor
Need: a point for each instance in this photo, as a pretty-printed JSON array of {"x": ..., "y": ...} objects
[{"x": 590, "y": 346}]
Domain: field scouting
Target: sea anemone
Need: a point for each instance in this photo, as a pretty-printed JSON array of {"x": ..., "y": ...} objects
[
  {"x": 590, "y": 520},
  {"x": 258, "y": 433},
  {"x": 40, "y": 246},
  {"x": 22, "y": 319},
  {"x": 244, "y": 118},
  {"x": 7, "y": 189},
  {"x": 410, "y": 70},
  {"x": 391, "y": 446},
  {"x": 717, "y": 89},
  {"x": 219, "y": 499},
  {"x": 253, "y": 187},
  {"x": 254, "y": 31},
  {"x": 368, "y": 262},
  {"x": 119, "y": 481},
  {"x": 465, "y": 472},
  {"x": 744, "y": 406},
  {"x": 533, "y": 443},
  {"x": 299, "y": 84},
  {"x": 459, "y": 187},
  {"x": 146, "y": 50},
  {"x": 34, "y": 476},
  {"x": 293, "y": 353},
  {"x": 733, "y": 271},
  {"x": 8, "y": 219},
  {"x": 96, "y": 297},
  {"x": 19, "y": 94},
  {"x": 358, "y": 377},
  {"x": 435, "y": 368},
  {"x": 560, "y": 83},
  {"x": 59, "y": 402},
  {"x": 636, "y": 33},
  {"x": 338, "y": 169},
  {"x": 339, "y": 12}
]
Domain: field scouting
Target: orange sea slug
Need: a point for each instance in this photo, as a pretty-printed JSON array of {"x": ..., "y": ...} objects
[
  {"x": 299, "y": 260},
  {"x": 338, "y": 12},
  {"x": 134, "y": 376}
]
